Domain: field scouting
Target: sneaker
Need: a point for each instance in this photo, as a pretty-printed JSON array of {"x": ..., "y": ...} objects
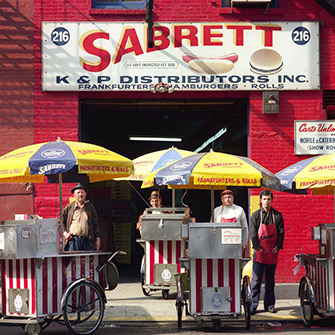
[
  {"x": 253, "y": 311},
  {"x": 271, "y": 310}
]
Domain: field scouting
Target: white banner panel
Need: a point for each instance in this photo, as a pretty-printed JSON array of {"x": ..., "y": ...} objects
[
  {"x": 314, "y": 137},
  {"x": 101, "y": 56}
]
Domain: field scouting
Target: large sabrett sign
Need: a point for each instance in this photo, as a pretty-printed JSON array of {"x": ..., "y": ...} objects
[{"x": 101, "y": 56}]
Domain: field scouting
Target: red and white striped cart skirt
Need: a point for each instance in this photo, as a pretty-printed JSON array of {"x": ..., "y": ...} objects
[
  {"x": 322, "y": 274},
  {"x": 211, "y": 276},
  {"x": 34, "y": 287},
  {"x": 162, "y": 262}
]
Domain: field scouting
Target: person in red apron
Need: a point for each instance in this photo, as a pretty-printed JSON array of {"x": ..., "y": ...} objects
[
  {"x": 267, "y": 236},
  {"x": 228, "y": 212}
]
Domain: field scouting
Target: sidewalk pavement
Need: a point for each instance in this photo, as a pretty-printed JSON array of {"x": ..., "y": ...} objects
[{"x": 128, "y": 303}]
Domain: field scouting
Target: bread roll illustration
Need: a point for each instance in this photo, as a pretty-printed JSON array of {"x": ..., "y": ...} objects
[
  {"x": 266, "y": 61},
  {"x": 210, "y": 65}
]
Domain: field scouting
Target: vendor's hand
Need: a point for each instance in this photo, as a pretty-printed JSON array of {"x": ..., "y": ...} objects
[
  {"x": 245, "y": 252},
  {"x": 275, "y": 250},
  {"x": 98, "y": 243},
  {"x": 67, "y": 235},
  {"x": 259, "y": 249},
  {"x": 138, "y": 225}
]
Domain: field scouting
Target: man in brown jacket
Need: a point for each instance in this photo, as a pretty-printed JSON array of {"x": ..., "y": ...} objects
[{"x": 80, "y": 220}]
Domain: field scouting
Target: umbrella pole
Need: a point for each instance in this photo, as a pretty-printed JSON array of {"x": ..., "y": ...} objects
[
  {"x": 212, "y": 203},
  {"x": 60, "y": 180},
  {"x": 173, "y": 198}
]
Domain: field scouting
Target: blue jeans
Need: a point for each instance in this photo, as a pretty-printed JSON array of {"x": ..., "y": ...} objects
[
  {"x": 78, "y": 244},
  {"x": 269, "y": 291}
]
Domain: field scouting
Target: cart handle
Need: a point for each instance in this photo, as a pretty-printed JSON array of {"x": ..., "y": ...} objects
[{"x": 99, "y": 268}]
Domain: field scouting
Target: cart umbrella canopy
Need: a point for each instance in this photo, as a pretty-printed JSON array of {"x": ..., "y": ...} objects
[
  {"x": 145, "y": 164},
  {"x": 31, "y": 163},
  {"x": 213, "y": 170},
  {"x": 316, "y": 174},
  {"x": 152, "y": 161}
]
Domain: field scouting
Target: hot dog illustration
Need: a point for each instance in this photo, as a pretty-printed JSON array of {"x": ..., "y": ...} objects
[{"x": 210, "y": 65}]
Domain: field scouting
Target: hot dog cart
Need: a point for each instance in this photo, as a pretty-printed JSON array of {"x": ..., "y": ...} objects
[
  {"x": 317, "y": 289},
  {"x": 41, "y": 285},
  {"x": 163, "y": 247},
  {"x": 214, "y": 266}
]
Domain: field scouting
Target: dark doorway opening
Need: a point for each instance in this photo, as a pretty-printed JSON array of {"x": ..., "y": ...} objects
[{"x": 110, "y": 123}]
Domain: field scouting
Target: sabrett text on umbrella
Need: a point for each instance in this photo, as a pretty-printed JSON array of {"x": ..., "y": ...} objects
[
  {"x": 48, "y": 167},
  {"x": 324, "y": 167}
]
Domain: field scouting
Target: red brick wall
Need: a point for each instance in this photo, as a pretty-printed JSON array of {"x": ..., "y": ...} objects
[
  {"x": 16, "y": 75},
  {"x": 16, "y": 94},
  {"x": 271, "y": 137}
]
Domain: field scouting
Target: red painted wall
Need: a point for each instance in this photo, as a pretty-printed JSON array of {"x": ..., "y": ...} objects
[{"x": 271, "y": 138}]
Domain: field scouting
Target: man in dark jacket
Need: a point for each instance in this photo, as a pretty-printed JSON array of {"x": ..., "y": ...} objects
[
  {"x": 80, "y": 220},
  {"x": 267, "y": 236}
]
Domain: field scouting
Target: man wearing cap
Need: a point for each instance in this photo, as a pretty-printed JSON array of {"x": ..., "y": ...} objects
[
  {"x": 80, "y": 220},
  {"x": 155, "y": 201},
  {"x": 228, "y": 212}
]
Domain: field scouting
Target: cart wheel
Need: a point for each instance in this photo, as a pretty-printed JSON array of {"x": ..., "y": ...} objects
[
  {"x": 111, "y": 276},
  {"x": 83, "y": 308},
  {"x": 246, "y": 301},
  {"x": 306, "y": 304},
  {"x": 247, "y": 315},
  {"x": 180, "y": 300},
  {"x": 146, "y": 291},
  {"x": 216, "y": 325},
  {"x": 33, "y": 328},
  {"x": 180, "y": 289},
  {"x": 165, "y": 294},
  {"x": 179, "y": 306}
]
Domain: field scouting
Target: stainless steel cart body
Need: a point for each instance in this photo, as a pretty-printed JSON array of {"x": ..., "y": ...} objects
[
  {"x": 163, "y": 245},
  {"x": 38, "y": 281},
  {"x": 215, "y": 267}
]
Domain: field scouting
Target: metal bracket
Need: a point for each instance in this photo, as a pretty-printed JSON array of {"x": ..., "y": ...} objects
[{"x": 149, "y": 20}]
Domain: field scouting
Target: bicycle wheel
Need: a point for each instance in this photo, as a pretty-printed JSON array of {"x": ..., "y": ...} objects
[
  {"x": 165, "y": 294},
  {"x": 180, "y": 300},
  {"x": 246, "y": 301},
  {"x": 179, "y": 306},
  {"x": 146, "y": 291},
  {"x": 180, "y": 289},
  {"x": 216, "y": 325},
  {"x": 247, "y": 315},
  {"x": 306, "y": 304},
  {"x": 33, "y": 328},
  {"x": 83, "y": 308}
]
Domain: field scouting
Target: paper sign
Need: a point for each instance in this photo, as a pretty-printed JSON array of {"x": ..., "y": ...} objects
[
  {"x": 2, "y": 241},
  {"x": 231, "y": 236},
  {"x": 47, "y": 236}
]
